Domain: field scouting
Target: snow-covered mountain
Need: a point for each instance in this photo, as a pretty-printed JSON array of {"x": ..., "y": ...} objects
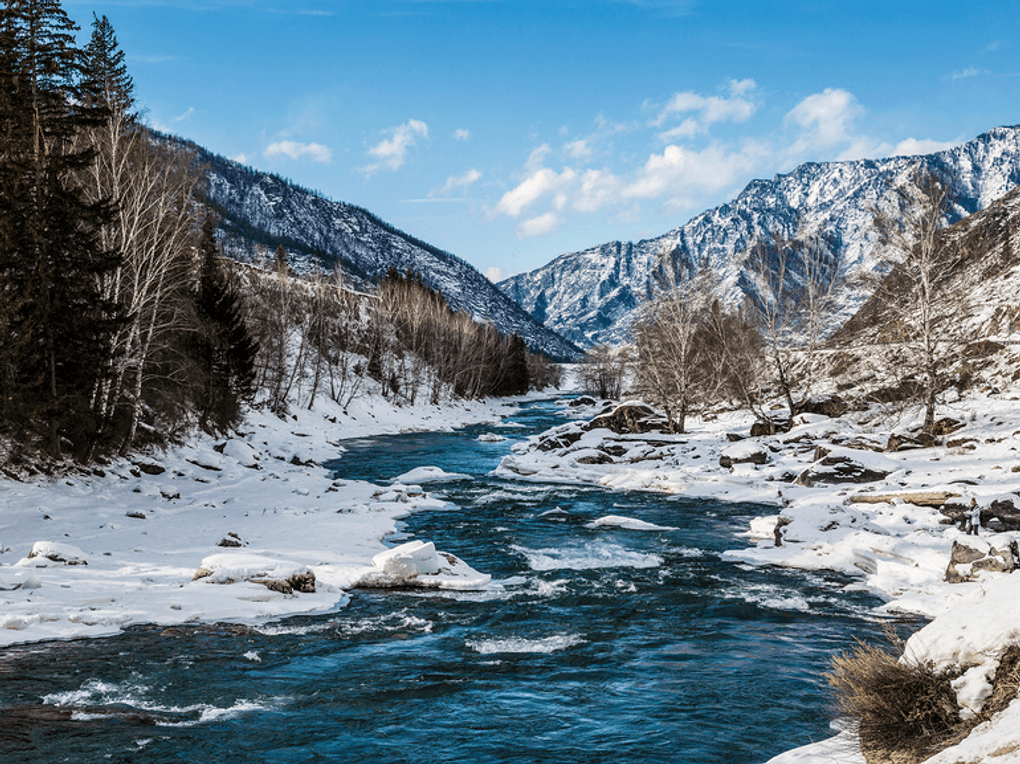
[
  {"x": 258, "y": 208},
  {"x": 592, "y": 296}
]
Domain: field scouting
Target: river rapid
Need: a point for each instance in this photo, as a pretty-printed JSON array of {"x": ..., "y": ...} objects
[{"x": 600, "y": 644}]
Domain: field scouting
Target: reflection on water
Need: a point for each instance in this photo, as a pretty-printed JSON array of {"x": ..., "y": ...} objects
[{"x": 603, "y": 645}]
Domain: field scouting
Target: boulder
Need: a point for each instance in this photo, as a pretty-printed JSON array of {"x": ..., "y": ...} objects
[
  {"x": 1002, "y": 513},
  {"x": 827, "y": 405},
  {"x": 946, "y": 426},
  {"x": 769, "y": 427},
  {"x": 1004, "y": 509},
  {"x": 745, "y": 452},
  {"x": 843, "y": 465},
  {"x": 417, "y": 564},
  {"x": 906, "y": 442},
  {"x": 628, "y": 418},
  {"x": 54, "y": 551},
  {"x": 595, "y": 457},
  {"x": 584, "y": 400},
  {"x": 557, "y": 440},
  {"x": 280, "y": 576},
  {"x": 969, "y": 559}
]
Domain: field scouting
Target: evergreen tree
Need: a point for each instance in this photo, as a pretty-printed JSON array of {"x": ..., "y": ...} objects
[
  {"x": 107, "y": 81},
  {"x": 515, "y": 378},
  {"x": 55, "y": 323},
  {"x": 226, "y": 350}
]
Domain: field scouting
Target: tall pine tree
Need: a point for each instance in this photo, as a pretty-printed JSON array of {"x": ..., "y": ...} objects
[
  {"x": 225, "y": 349},
  {"x": 54, "y": 350}
]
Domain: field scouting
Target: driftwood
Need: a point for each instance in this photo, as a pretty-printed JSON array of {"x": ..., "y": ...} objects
[{"x": 919, "y": 498}]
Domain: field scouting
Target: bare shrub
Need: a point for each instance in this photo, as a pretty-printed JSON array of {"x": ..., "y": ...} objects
[{"x": 905, "y": 711}]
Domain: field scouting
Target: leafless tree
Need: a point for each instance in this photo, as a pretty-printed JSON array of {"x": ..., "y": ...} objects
[
  {"x": 794, "y": 282},
  {"x": 604, "y": 370},
  {"x": 910, "y": 223},
  {"x": 666, "y": 372}
]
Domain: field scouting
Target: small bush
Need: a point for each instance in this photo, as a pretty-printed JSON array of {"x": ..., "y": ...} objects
[{"x": 905, "y": 711}]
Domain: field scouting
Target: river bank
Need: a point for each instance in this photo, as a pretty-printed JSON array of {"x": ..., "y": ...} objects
[
  {"x": 257, "y": 506},
  {"x": 122, "y": 544}
]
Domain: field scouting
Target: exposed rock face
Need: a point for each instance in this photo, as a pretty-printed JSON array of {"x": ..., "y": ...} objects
[
  {"x": 968, "y": 560},
  {"x": 628, "y": 418}
]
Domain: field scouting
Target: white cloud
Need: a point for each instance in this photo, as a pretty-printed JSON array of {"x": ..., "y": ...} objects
[
  {"x": 537, "y": 157},
  {"x": 240, "y": 158},
  {"x": 494, "y": 274},
  {"x": 597, "y": 188},
  {"x": 539, "y": 226},
  {"x": 186, "y": 115},
  {"x": 914, "y": 147},
  {"x": 579, "y": 150},
  {"x": 391, "y": 153},
  {"x": 679, "y": 172},
  {"x": 970, "y": 71},
  {"x": 461, "y": 134},
  {"x": 539, "y": 183},
  {"x": 736, "y": 107},
  {"x": 469, "y": 177},
  {"x": 826, "y": 116},
  {"x": 314, "y": 151}
]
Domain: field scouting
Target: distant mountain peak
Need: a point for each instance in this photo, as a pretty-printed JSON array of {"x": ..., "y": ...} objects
[{"x": 592, "y": 296}]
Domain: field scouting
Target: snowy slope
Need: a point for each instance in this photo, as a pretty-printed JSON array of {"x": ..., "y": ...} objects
[
  {"x": 262, "y": 209},
  {"x": 591, "y": 296}
]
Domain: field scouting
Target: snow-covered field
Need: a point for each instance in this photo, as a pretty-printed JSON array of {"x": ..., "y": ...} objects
[{"x": 87, "y": 554}]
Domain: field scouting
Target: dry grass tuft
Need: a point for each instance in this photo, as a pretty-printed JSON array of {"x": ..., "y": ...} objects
[{"x": 905, "y": 711}]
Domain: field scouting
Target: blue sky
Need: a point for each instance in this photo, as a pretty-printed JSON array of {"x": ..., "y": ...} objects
[{"x": 509, "y": 132}]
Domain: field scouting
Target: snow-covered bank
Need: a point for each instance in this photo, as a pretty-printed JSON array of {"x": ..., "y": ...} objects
[
  {"x": 218, "y": 530},
  {"x": 854, "y": 494}
]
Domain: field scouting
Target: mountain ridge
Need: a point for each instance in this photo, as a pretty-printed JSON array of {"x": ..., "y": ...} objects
[
  {"x": 261, "y": 210},
  {"x": 591, "y": 296}
]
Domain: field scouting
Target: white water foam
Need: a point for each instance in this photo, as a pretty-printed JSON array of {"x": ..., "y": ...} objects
[
  {"x": 133, "y": 694},
  {"x": 773, "y": 597},
  {"x": 596, "y": 554},
  {"x": 521, "y": 645}
]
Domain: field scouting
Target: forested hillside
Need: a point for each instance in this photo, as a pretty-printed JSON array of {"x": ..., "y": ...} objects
[{"x": 123, "y": 324}]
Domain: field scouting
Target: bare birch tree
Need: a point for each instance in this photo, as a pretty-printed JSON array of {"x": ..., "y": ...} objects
[{"x": 910, "y": 224}]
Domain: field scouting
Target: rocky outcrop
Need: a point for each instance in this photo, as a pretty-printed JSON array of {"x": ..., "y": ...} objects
[
  {"x": 844, "y": 465},
  {"x": 744, "y": 452},
  {"x": 969, "y": 560},
  {"x": 1001, "y": 514},
  {"x": 627, "y": 419}
]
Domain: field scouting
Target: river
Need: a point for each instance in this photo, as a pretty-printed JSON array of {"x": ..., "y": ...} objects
[{"x": 602, "y": 644}]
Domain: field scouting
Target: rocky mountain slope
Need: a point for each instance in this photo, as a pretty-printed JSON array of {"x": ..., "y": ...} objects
[
  {"x": 260, "y": 211},
  {"x": 592, "y": 296}
]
